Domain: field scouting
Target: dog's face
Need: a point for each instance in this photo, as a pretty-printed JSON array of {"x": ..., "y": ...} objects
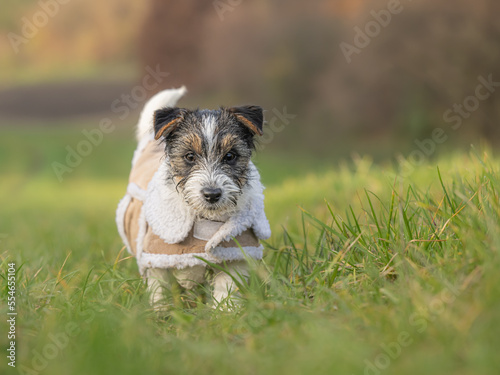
[{"x": 208, "y": 152}]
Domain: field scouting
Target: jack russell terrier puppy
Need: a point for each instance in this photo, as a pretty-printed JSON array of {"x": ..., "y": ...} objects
[{"x": 194, "y": 197}]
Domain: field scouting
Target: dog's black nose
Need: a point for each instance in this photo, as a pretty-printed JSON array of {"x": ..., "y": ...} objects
[{"x": 211, "y": 195}]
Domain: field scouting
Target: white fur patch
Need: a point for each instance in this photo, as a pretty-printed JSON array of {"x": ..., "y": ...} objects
[{"x": 209, "y": 125}]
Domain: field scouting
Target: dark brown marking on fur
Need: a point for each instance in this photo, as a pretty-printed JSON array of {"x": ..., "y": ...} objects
[
  {"x": 227, "y": 142},
  {"x": 165, "y": 127},
  {"x": 249, "y": 124},
  {"x": 251, "y": 116},
  {"x": 196, "y": 143}
]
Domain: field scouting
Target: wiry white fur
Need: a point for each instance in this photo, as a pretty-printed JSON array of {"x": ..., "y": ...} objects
[
  {"x": 209, "y": 125},
  {"x": 210, "y": 176},
  {"x": 165, "y": 98}
]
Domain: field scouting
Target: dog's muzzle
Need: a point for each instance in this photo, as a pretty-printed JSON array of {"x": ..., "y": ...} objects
[{"x": 211, "y": 195}]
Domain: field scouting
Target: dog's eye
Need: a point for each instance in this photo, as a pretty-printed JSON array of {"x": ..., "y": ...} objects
[
  {"x": 229, "y": 157},
  {"x": 189, "y": 157}
]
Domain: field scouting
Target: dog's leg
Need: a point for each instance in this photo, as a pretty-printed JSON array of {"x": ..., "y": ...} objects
[
  {"x": 224, "y": 285},
  {"x": 159, "y": 279},
  {"x": 190, "y": 276},
  {"x": 156, "y": 280}
]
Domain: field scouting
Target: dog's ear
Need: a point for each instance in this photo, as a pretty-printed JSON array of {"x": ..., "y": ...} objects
[
  {"x": 166, "y": 120},
  {"x": 251, "y": 116}
]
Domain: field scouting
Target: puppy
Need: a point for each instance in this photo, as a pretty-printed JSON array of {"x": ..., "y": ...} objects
[{"x": 194, "y": 197}]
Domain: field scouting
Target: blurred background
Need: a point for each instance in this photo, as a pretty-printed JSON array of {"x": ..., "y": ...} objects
[
  {"x": 64, "y": 63},
  {"x": 351, "y": 89}
]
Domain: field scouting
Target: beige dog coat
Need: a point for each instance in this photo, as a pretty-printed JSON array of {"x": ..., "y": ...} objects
[{"x": 161, "y": 231}]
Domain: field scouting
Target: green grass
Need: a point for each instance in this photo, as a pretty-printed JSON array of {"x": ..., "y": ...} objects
[{"x": 366, "y": 272}]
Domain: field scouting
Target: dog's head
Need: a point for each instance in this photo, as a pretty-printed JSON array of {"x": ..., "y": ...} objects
[{"x": 208, "y": 152}]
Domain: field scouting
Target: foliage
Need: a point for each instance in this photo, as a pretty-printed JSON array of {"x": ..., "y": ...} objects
[{"x": 384, "y": 263}]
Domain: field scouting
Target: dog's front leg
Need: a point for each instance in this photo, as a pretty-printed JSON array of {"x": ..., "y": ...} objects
[
  {"x": 224, "y": 287},
  {"x": 156, "y": 280}
]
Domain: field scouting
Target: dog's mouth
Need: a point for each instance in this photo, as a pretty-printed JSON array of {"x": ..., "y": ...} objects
[
  {"x": 210, "y": 198},
  {"x": 212, "y": 207},
  {"x": 221, "y": 206},
  {"x": 213, "y": 210}
]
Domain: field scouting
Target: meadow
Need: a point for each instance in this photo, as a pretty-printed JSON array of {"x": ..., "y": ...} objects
[{"x": 367, "y": 272}]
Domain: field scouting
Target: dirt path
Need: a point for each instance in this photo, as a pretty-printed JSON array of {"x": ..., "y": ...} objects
[{"x": 60, "y": 100}]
